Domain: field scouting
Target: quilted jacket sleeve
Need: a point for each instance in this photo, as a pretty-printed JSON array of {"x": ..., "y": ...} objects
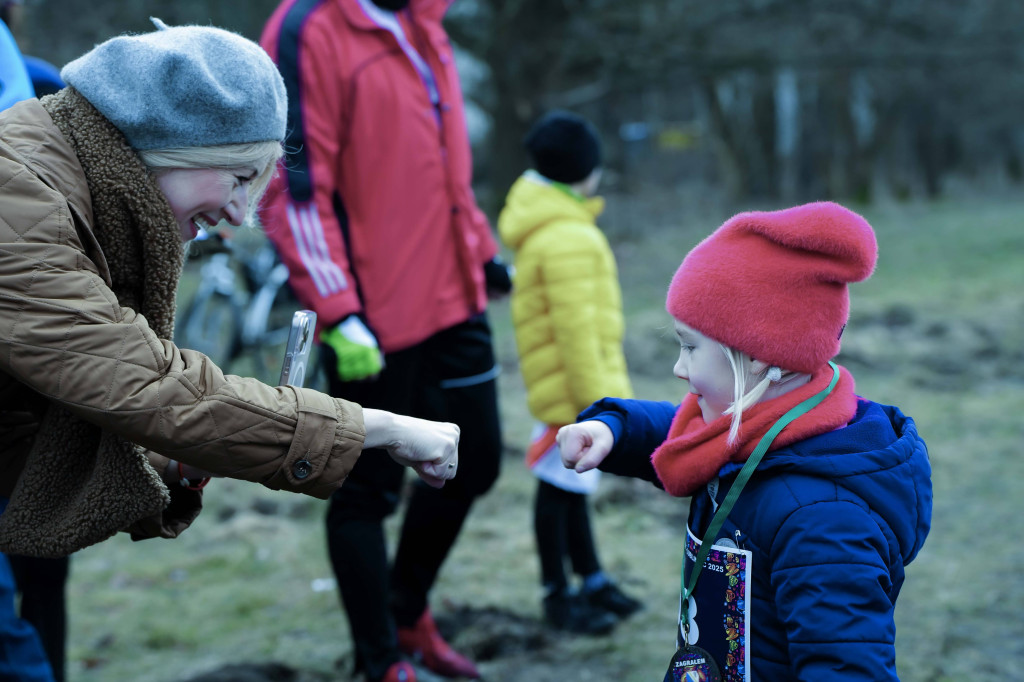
[
  {"x": 832, "y": 588},
  {"x": 63, "y": 334}
]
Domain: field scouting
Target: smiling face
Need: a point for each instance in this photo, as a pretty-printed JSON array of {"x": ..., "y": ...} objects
[
  {"x": 704, "y": 365},
  {"x": 202, "y": 197}
]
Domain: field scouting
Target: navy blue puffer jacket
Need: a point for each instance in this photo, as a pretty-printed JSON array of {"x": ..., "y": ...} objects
[{"x": 830, "y": 521}]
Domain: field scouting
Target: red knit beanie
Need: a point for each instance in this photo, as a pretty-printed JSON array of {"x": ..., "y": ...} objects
[{"x": 773, "y": 284}]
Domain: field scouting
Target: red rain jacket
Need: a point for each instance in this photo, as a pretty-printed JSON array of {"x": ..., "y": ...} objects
[{"x": 373, "y": 211}]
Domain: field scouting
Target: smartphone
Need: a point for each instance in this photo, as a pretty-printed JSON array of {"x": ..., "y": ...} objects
[{"x": 300, "y": 343}]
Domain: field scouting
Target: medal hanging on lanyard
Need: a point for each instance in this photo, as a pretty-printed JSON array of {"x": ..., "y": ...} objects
[{"x": 691, "y": 663}]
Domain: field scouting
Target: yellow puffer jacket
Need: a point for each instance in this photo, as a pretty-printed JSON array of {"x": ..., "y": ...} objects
[{"x": 567, "y": 303}]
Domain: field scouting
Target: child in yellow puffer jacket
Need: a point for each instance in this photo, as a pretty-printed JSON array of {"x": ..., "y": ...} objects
[{"x": 567, "y": 313}]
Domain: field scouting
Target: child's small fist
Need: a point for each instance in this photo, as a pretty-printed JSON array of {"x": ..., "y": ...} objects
[{"x": 585, "y": 445}]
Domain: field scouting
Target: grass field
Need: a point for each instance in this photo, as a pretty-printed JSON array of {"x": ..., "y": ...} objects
[{"x": 938, "y": 330}]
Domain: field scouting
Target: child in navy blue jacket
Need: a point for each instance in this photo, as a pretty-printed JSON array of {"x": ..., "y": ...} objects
[{"x": 807, "y": 501}]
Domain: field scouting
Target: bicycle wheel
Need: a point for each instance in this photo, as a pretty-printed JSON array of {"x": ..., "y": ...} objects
[
  {"x": 265, "y": 327},
  {"x": 268, "y": 320},
  {"x": 210, "y": 325}
]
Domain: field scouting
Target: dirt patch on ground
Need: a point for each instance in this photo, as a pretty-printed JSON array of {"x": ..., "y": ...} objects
[
  {"x": 487, "y": 635},
  {"x": 263, "y": 672},
  {"x": 938, "y": 353}
]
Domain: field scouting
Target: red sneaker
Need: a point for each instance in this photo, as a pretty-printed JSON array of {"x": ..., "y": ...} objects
[
  {"x": 399, "y": 672},
  {"x": 423, "y": 642}
]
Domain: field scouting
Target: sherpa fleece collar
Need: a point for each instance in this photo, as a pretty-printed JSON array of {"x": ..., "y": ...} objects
[{"x": 81, "y": 485}]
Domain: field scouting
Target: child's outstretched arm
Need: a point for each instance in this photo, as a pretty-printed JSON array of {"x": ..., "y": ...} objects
[{"x": 617, "y": 436}]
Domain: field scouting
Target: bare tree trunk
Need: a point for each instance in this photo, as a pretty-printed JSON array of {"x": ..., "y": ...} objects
[
  {"x": 787, "y": 126},
  {"x": 725, "y": 139},
  {"x": 764, "y": 172}
]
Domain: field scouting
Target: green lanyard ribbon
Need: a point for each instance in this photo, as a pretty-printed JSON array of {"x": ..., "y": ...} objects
[{"x": 734, "y": 492}]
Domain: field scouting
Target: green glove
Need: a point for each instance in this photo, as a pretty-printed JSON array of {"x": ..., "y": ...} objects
[{"x": 356, "y": 348}]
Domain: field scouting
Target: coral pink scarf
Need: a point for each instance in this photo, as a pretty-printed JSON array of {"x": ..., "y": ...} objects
[{"x": 694, "y": 451}]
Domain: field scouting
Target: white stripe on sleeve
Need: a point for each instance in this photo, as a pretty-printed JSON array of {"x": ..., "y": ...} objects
[
  {"x": 331, "y": 271},
  {"x": 295, "y": 224}
]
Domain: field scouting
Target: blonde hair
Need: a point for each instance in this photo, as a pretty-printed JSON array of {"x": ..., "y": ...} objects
[
  {"x": 261, "y": 155},
  {"x": 742, "y": 399}
]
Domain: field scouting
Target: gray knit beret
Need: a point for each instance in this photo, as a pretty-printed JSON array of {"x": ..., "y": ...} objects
[{"x": 183, "y": 86}]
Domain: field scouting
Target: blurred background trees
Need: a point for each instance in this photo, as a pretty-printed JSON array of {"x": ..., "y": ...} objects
[{"x": 782, "y": 100}]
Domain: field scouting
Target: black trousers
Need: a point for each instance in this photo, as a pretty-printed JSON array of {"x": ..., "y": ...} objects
[
  {"x": 42, "y": 584},
  {"x": 448, "y": 377},
  {"x": 561, "y": 524}
]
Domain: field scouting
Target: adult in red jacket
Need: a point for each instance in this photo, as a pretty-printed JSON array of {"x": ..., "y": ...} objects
[{"x": 374, "y": 216}]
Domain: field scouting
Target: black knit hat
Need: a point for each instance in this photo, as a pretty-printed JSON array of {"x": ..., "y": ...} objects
[{"x": 564, "y": 147}]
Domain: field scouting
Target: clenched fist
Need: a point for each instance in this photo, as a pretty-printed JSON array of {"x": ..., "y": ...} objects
[
  {"x": 430, "y": 448},
  {"x": 585, "y": 445}
]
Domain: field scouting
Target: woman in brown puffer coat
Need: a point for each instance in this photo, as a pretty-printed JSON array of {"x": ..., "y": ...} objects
[{"x": 155, "y": 136}]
